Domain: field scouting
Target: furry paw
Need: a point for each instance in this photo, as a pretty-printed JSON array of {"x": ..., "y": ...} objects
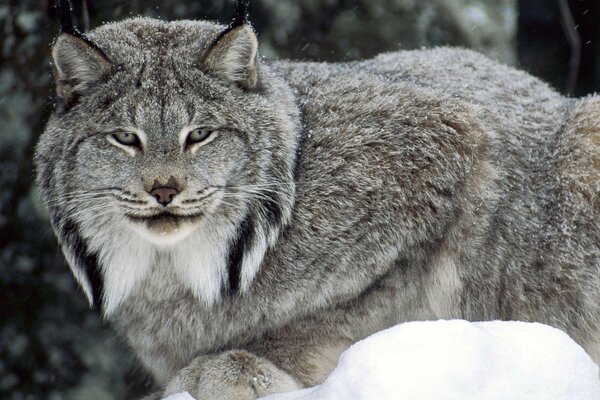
[{"x": 233, "y": 375}]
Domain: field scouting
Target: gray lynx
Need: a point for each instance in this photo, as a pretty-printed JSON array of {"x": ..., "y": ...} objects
[{"x": 242, "y": 222}]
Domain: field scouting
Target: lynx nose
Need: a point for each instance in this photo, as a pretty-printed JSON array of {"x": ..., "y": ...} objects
[{"x": 164, "y": 194}]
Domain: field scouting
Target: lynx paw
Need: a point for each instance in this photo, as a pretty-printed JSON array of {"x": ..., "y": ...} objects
[{"x": 233, "y": 375}]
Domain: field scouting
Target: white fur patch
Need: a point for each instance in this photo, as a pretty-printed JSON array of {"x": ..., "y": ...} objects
[
  {"x": 252, "y": 260},
  {"x": 443, "y": 285},
  {"x": 124, "y": 263},
  {"x": 200, "y": 261},
  {"x": 124, "y": 257},
  {"x": 197, "y": 254}
]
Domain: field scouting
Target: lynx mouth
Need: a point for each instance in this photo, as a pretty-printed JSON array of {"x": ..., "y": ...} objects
[
  {"x": 164, "y": 218},
  {"x": 164, "y": 228}
]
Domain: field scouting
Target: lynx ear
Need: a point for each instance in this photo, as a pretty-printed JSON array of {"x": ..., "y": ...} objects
[
  {"x": 78, "y": 65},
  {"x": 233, "y": 56}
]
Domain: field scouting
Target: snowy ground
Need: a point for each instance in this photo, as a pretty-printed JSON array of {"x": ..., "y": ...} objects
[{"x": 458, "y": 360}]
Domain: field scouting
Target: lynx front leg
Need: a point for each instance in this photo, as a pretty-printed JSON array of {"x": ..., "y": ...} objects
[
  {"x": 308, "y": 355},
  {"x": 232, "y": 375}
]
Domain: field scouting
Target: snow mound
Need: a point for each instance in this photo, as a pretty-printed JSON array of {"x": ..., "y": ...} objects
[
  {"x": 459, "y": 360},
  {"x": 179, "y": 396}
]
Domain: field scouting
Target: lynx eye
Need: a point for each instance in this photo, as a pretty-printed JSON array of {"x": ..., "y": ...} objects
[
  {"x": 127, "y": 138},
  {"x": 198, "y": 137}
]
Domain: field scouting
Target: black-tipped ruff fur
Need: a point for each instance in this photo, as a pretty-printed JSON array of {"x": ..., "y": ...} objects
[
  {"x": 238, "y": 247},
  {"x": 86, "y": 259}
]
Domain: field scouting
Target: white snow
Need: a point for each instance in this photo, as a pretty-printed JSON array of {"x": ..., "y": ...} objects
[
  {"x": 179, "y": 396},
  {"x": 459, "y": 360}
]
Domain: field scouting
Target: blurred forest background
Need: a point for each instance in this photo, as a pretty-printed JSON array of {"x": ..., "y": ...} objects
[{"x": 51, "y": 345}]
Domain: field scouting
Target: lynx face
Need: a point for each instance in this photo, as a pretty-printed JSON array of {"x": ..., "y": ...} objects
[
  {"x": 167, "y": 163},
  {"x": 166, "y": 147}
]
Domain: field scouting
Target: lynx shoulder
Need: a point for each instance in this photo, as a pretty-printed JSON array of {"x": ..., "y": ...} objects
[{"x": 241, "y": 222}]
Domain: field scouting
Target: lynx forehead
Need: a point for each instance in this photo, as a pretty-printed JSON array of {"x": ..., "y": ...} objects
[{"x": 242, "y": 222}]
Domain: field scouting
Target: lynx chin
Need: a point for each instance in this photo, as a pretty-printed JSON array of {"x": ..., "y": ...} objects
[{"x": 242, "y": 222}]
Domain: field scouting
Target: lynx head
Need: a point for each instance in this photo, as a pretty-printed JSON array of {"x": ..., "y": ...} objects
[{"x": 171, "y": 143}]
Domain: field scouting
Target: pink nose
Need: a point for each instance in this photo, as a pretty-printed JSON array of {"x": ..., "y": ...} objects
[{"x": 164, "y": 194}]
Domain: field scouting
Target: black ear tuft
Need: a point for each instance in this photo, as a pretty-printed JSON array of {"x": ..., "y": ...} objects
[
  {"x": 240, "y": 13},
  {"x": 66, "y": 18}
]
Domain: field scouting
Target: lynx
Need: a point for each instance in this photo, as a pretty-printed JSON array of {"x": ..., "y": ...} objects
[{"x": 241, "y": 222}]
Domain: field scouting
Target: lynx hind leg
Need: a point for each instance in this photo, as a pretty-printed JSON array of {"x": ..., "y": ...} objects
[
  {"x": 579, "y": 156},
  {"x": 233, "y": 375}
]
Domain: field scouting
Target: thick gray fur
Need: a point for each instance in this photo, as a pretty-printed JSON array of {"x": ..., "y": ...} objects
[{"x": 348, "y": 198}]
